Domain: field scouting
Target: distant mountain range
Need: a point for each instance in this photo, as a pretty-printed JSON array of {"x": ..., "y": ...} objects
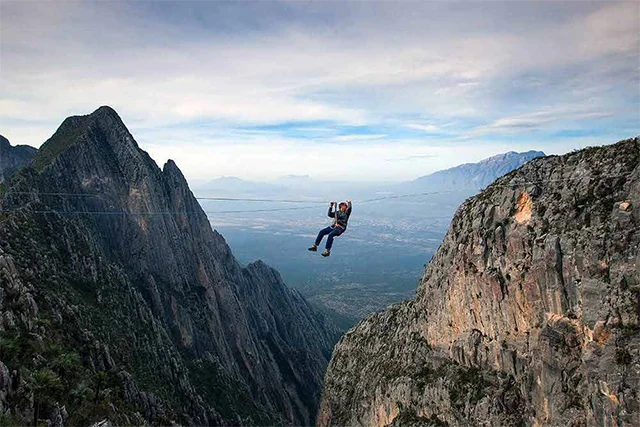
[
  {"x": 468, "y": 176},
  {"x": 476, "y": 176},
  {"x": 13, "y": 157}
]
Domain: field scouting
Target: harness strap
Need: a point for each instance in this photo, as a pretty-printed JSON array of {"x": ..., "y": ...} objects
[{"x": 335, "y": 214}]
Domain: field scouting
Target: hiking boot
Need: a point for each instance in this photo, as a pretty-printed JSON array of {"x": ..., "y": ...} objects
[
  {"x": 313, "y": 248},
  {"x": 326, "y": 253}
]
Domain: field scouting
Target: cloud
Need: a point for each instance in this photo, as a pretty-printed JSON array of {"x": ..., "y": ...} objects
[
  {"x": 224, "y": 70},
  {"x": 539, "y": 119},
  {"x": 315, "y": 129},
  {"x": 425, "y": 128},
  {"x": 358, "y": 137}
]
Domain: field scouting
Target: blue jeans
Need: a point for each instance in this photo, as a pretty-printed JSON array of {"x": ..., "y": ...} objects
[{"x": 332, "y": 232}]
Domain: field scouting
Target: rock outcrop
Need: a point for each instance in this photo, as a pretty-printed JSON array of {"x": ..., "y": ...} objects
[
  {"x": 13, "y": 158},
  {"x": 527, "y": 314},
  {"x": 120, "y": 303}
]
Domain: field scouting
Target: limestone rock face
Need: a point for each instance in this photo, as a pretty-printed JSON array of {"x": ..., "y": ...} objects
[
  {"x": 123, "y": 273},
  {"x": 13, "y": 157},
  {"x": 526, "y": 315}
]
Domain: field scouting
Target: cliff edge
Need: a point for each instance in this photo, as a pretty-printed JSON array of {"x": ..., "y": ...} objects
[{"x": 526, "y": 315}]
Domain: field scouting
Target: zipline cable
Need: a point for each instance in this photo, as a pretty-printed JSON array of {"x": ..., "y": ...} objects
[
  {"x": 223, "y": 199},
  {"x": 233, "y": 199},
  {"x": 395, "y": 196},
  {"x": 239, "y": 199},
  {"x": 195, "y": 212},
  {"x": 151, "y": 213}
]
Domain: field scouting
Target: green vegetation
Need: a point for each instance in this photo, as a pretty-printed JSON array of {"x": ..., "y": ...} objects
[
  {"x": 409, "y": 418},
  {"x": 46, "y": 387},
  {"x": 11, "y": 421},
  {"x": 52, "y": 373},
  {"x": 230, "y": 397},
  {"x": 60, "y": 363},
  {"x": 64, "y": 138},
  {"x": 465, "y": 384}
]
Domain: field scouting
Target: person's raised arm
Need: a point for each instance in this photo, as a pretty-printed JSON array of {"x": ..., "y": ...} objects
[
  {"x": 348, "y": 207},
  {"x": 330, "y": 214}
]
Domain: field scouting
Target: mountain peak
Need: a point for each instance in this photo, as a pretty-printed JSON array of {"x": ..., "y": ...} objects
[
  {"x": 4, "y": 142},
  {"x": 13, "y": 158},
  {"x": 169, "y": 165},
  {"x": 108, "y": 114},
  {"x": 173, "y": 172},
  {"x": 72, "y": 123},
  {"x": 105, "y": 109},
  {"x": 103, "y": 129}
]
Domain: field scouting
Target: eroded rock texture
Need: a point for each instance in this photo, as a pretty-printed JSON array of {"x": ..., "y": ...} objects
[
  {"x": 120, "y": 303},
  {"x": 526, "y": 315}
]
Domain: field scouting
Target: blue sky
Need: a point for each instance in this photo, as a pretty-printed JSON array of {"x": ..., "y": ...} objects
[{"x": 337, "y": 90}]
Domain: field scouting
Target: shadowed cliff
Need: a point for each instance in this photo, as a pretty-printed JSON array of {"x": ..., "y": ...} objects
[{"x": 108, "y": 261}]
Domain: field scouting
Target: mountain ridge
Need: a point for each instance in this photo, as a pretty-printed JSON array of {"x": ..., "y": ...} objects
[
  {"x": 181, "y": 330},
  {"x": 477, "y": 175},
  {"x": 13, "y": 158}
]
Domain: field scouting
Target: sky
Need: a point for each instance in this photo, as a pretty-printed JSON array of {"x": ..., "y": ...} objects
[{"x": 363, "y": 91}]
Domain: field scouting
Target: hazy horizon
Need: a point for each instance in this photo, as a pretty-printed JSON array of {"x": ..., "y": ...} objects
[{"x": 279, "y": 179}]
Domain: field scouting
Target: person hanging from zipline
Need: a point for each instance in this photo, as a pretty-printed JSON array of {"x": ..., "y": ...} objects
[{"x": 340, "y": 218}]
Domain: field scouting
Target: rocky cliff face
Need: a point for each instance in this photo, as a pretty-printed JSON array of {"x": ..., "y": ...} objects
[
  {"x": 119, "y": 301},
  {"x": 526, "y": 315},
  {"x": 13, "y": 158}
]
